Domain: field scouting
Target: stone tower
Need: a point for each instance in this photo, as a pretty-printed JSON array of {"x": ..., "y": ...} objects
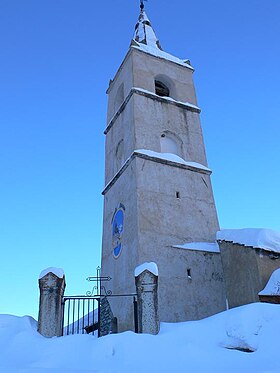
[{"x": 158, "y": 199}]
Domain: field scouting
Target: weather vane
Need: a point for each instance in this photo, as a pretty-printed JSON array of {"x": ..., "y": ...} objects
[{"x": 142, "y": 4}]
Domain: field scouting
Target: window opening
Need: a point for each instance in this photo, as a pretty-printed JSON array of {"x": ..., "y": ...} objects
[
  {"x": 177, "y": 195},
  {"x": 189, "y": 273},
  {"x": 161, "y": 89}
]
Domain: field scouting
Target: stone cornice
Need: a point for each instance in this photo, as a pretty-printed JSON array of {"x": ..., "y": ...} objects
[
  {"x": 153, "y": 96},
  {"x": 153, "y": 159}
]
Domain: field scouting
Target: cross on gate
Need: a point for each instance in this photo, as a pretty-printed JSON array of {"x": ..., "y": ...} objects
[{"x": 98, "y": 287}]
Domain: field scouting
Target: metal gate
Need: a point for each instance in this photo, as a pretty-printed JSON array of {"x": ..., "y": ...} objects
[{"x": 82, "y": 314}]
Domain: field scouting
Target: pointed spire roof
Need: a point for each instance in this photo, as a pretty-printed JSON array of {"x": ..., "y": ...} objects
[
  {"x": 144, "y": 32},
  {"x": 145, "y": 39}
]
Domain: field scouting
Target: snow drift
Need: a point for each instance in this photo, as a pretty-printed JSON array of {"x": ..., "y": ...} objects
[{"x": 214, "y": 344}]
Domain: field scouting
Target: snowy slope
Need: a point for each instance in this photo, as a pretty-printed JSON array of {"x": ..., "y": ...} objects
[{"x": 198, "y": 346}]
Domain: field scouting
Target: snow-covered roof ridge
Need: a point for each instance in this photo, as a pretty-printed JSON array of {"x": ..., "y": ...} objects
[
  {"x": 211, "y": 247},
  {"x": 161, "y": 54},
  {"x": 262, "y": 238},
  {"x": 144, "y": 32},
  {"x": 58, "y": 272},
  {"x": 273, "y": 285},
  {"x": 172, "y": 158}
]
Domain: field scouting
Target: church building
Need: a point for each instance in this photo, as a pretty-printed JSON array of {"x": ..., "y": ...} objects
[{"x": 158, "y": 199}]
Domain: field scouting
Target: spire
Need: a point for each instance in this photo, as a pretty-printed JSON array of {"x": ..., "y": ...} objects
[{"x": 144, "y": 32}]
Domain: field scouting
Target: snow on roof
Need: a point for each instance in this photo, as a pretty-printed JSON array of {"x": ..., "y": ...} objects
[
  {"x": 273, "y": 285},
  {"x": 59, "y": 272},
  {"x": 150, "y": 266},
  {"x": 161, "y": 54},
  {"x": 266, "y": 239},
  {"x": 172, "y": 158},
  {"x": 211, "y": 247}
]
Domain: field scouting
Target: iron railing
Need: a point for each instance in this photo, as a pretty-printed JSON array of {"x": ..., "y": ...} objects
[{"x": 80, "y": 315}]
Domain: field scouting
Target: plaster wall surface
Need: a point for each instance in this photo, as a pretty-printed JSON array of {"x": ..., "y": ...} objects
[
  {"x": 246, "y": 272},
  {"x": 154, "y": 220},
  {"x": 182, "y": 298},
  {"x": 124, "y": 76},
  {"x": 147, "y": 68},
  {"x": 154, "y": 118},
  {"x": 121, "y": 270},
  {"x": 120, "y": 141},
  {"x": 167, "y": 220}
]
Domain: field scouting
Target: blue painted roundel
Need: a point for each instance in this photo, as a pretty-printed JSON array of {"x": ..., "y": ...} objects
[{"x": 117, "y": 231}]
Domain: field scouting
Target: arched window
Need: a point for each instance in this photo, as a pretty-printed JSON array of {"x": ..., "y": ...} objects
[
  {"x": 170, "y": 143},
  {"x": 161, "y": 89}
]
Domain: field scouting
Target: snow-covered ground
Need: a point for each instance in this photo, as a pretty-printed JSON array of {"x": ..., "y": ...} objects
[{"x": 198, "y": 346}]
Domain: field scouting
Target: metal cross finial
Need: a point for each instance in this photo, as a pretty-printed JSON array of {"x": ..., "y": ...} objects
[{"x": 142, "y": 6}]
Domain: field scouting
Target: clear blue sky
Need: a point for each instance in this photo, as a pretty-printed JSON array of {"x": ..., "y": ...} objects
[{"x": 56, "y": 59}]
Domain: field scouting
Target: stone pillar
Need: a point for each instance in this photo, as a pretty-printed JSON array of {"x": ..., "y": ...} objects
[
  {"x": 52, "y": 285},
  {"x": 146, "y": 280}
]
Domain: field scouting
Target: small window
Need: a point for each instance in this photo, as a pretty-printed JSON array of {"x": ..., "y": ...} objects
[
  {"x": 177, "y": 195},
  {"x": 161, "y": 89},
  {"x": 189, "y": 273}
]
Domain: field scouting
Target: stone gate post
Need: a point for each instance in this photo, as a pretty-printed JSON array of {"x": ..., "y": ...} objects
[
  {"x": 52, "y": 285},
  {"x": 146, "y": 280}
]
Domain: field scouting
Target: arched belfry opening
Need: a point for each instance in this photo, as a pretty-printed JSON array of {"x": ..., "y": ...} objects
[
  {"x": 164, "y": 86},
  {"x": 161, "y": 89}
]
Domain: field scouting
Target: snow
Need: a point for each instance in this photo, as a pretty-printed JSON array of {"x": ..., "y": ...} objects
[
  {"x": 273, "y": 285},
  {"x": 266, "y": 239},
  {"x": 59, "y": 272},
  {"x": 172, "y": 158},
  {"x": 161, "y": 54},
  {"x": 187, "y": 104},
  {"x": 211, "y": 247},
  {"x": 150, "y": 266},
  {"x": 213, "y": 344}
]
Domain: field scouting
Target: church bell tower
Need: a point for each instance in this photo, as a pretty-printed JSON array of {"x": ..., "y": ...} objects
[{"x": 158, "y": 199}]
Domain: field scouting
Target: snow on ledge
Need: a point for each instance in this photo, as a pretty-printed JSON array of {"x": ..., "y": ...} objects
[
  {"x": 59, "y": 272},
  {"x": 150, "y": 266},
  {"x": 273, "y": 285},
  {"x": 266, "y": 239},
  {"x": 188, "y": 104},
  {"x": 211, "y": 247},
  {"x": 172, "y": 158}
]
